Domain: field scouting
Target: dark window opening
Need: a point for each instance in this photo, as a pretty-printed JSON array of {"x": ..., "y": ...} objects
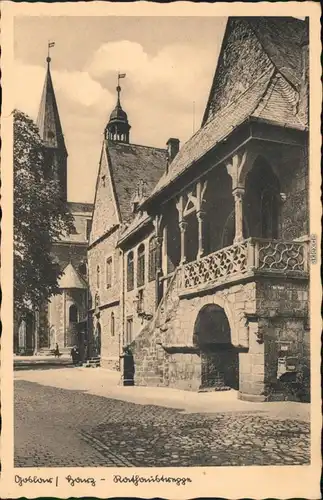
[
  {"x": 130, "y": 272},
  {"x": 152, "y": 259},
  {"x": 141, "y": 266},
  {"x": 73, "y": 314}
]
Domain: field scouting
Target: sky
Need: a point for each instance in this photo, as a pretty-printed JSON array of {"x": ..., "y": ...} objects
[{"x": 169, "y": 64}]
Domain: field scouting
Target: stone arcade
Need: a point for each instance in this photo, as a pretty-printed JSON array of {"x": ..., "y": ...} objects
[{"x": 198, "y": 255}]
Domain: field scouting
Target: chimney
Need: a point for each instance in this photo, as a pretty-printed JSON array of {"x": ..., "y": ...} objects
[{"x": 172, "y": 148}]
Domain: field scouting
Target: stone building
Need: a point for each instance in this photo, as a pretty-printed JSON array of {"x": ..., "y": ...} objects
[
  {"x": 64, "y": 319},
  {"x": 126, "y": 172},
  {"x": 206, "y": 275}
]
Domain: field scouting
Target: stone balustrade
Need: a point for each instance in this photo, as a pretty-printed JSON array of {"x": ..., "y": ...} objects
[{"x": 250, "y": 257}]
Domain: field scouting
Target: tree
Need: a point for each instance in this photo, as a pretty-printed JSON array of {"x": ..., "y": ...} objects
[{"x": 41, "y": 217}]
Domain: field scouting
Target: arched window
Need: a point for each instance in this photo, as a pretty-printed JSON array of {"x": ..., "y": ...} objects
[
  {"x": 73, "y": 314},
  {"x": 130, "y": 272},
  {"x": 141, "y": 265},
  {"x": 98, "y": 277},
  {"x": 112, "y": 326},
  {"x": 152, "y": 265}
]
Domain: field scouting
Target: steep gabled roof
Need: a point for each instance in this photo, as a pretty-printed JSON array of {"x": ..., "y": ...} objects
[
  {"x": 270, "y": 98},
  {"x": 48, "y": 121},
  {"x": 129, "y": 164},
  {"x": 215, "y": 130},
  {"x": 71, "y": 279},
  {"x": 280, "y": 38}
]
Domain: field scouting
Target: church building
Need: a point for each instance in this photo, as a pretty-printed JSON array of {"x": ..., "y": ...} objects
[
  {"x": 198, "y": 256},
  {"x": 63, "y": 320}
]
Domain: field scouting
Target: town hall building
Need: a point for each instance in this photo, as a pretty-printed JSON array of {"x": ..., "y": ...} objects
[{"x": 198, "y": 255}]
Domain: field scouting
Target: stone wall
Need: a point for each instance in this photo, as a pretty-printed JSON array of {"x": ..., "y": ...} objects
[
  {"x": 105, "y": 214},
  {"x": 294, "y": 171},
  {"x": 108, "y": 298},
  {"x": 56, "y": 321},
  {"x": 110, "y": 343}
]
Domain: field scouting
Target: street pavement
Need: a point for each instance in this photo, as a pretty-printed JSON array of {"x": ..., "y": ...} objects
[{"x": 83, "y": 417}]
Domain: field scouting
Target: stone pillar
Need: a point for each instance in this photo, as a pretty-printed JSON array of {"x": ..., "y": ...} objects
[
  {"x": 238, "y": 197},
  {"x": 182, "y": 227},
  {"x": 200, "y": 217},
  {"x": 252, "y": 365}
]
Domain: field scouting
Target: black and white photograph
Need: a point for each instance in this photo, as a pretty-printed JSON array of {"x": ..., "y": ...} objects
[{"x": 163, "y": 244}]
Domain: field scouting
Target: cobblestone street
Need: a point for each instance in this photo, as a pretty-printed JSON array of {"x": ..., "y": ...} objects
[{"x": 57, "y": 426}]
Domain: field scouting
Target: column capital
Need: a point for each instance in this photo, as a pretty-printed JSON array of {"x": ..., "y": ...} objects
[
  {"x": 182, "y": 226},
  {"x": 238, "y": 192},
  {"x": 200, "y": 214},
  {"x": 159, "y": 241}
]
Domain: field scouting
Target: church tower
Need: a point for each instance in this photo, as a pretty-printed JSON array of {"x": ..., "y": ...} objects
[
  {"x": 118, "y": 127},
  {"x": 50, "y": 130}
]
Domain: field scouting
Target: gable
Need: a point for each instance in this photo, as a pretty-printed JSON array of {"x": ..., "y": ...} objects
[
  {"x": 242, "y": 60},
  {"x": 105, "y": 213}
]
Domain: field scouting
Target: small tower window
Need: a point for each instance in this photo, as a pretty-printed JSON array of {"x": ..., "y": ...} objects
[
  {"x": 141, "y": 265},
  {"x": 108, "y": 271}
]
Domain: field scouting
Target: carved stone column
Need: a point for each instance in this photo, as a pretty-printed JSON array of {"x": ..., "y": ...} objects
[
  {"x": 238, "y": 198},
  {"x": 200, "y": 217},
  {"x": 182, "y": 227}
]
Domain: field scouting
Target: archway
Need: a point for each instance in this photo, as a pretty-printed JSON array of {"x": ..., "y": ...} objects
[{"x": 219, "y": 357}]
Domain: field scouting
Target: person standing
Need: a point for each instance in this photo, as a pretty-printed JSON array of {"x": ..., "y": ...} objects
[
  {"x": 128, "y": 367},
  {"x": 56, "y": 351}
]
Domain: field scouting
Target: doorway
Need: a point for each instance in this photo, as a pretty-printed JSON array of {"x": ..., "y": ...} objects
[{"x": 219, "y": 357}]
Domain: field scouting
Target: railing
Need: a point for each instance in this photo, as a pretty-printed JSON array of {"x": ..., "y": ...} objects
[{"x": 250, "y": 256}]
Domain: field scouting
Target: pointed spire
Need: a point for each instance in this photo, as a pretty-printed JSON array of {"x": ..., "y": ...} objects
[
  {"x": 48, "y": 121},
  {"x": 50, "y": 130}
]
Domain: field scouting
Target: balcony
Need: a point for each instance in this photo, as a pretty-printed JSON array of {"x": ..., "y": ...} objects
[{"x": 251, "y": 257}]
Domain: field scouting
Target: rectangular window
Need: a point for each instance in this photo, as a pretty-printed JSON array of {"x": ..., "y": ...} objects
[
  {"x": 108, "y": 271},
  {"x": 129, "y": 330}
]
